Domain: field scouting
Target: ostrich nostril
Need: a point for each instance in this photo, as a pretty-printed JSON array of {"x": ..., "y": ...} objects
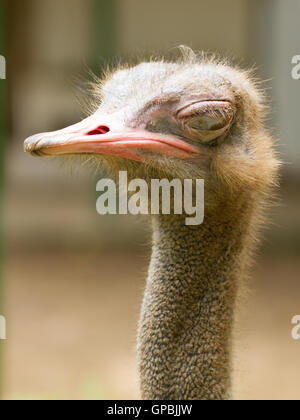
[{"x": 103, "y": 129}]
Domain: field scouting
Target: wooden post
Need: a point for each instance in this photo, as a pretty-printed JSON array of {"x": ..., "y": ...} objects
[
  {"x": 105, "y": 32},
  {"x": 274, "y": 41},
  {"x": 104, "y": 38}
]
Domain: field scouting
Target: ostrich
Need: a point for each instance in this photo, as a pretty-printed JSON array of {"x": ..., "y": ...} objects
[{"x": 195, "y": 118}]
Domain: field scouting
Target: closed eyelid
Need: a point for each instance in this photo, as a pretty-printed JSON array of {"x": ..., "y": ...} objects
[{"x": 213, "y": 104}]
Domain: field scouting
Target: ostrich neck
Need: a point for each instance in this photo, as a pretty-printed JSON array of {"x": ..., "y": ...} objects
[{"x": 187, "y": 314}]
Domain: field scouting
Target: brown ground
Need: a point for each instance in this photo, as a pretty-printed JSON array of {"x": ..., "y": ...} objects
[{"x": 72, "y": 326}]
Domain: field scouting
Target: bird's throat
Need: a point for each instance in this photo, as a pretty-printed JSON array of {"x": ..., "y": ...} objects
[{"x": 185, "y": 329}]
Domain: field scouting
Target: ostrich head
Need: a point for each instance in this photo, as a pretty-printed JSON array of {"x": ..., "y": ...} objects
[{"x": 197, "y": 118}]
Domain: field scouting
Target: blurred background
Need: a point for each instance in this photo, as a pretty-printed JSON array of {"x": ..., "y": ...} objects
[{"x": 73, "y": 280}]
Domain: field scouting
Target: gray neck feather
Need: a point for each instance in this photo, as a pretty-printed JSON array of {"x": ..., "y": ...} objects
[{"x": 185, "y": 329}]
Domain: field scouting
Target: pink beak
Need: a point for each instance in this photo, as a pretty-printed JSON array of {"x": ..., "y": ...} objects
[{"x": 106, "y": 134}]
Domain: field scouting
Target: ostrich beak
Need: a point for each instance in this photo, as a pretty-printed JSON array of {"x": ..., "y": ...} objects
[{"x": 106, "y": 134}]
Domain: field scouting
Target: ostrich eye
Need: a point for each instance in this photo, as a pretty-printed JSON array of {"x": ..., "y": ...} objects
[{"x": 206, "y": 120}]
